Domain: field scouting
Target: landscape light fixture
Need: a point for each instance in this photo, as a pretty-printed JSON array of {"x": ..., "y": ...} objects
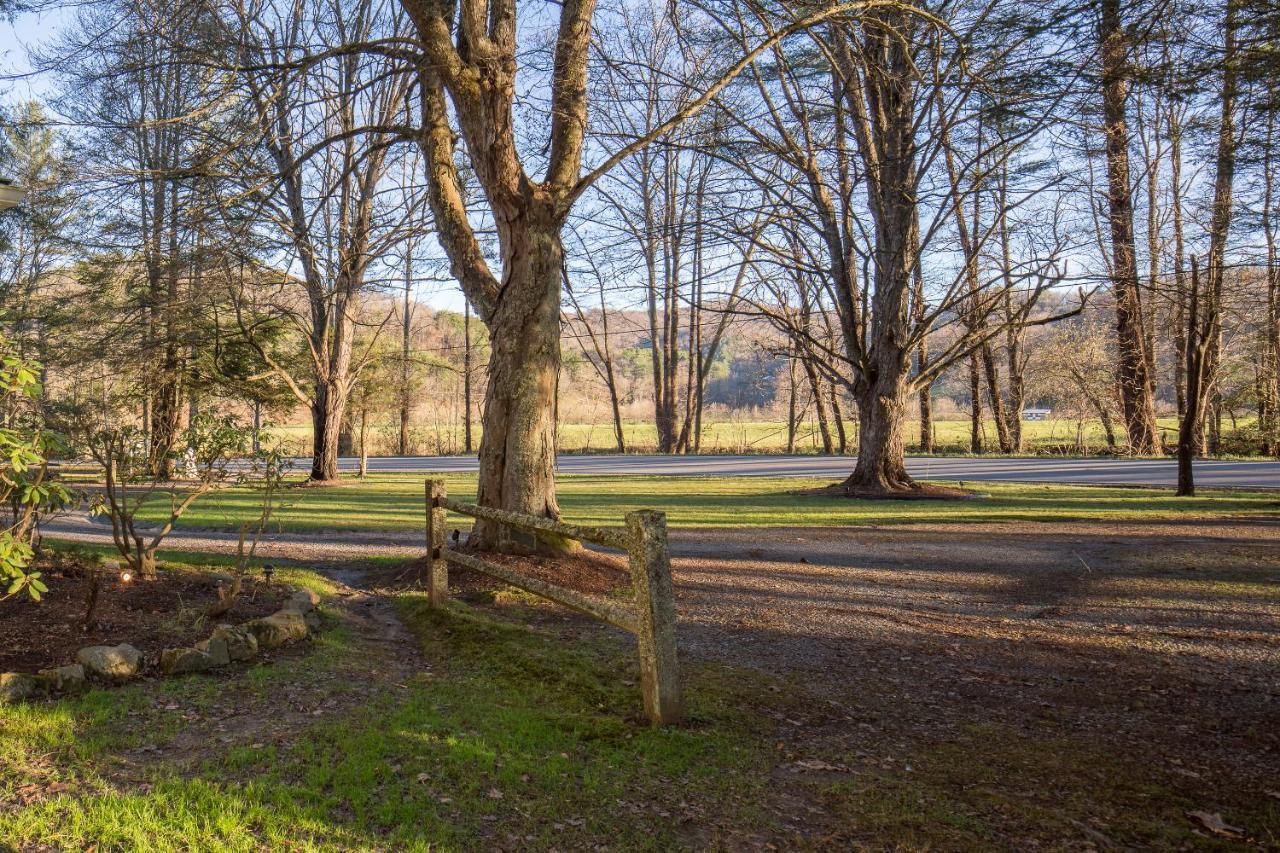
[{"x": 10, "y": 194}]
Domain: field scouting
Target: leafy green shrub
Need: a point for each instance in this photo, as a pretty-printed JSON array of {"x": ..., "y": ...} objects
[{"x": 25, "y": 484}]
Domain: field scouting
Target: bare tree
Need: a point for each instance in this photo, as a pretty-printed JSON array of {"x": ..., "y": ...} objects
[
  {"x": 1133, "y": 366},
  {"x": 319, "y": 172},
  {"x": 467, "y": 77},
  {"x": 876, "y": 126}
]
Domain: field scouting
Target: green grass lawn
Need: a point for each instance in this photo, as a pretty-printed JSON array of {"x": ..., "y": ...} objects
[
  {"x": 505, "y": 736},
  {"x": 395, "y": 502}
]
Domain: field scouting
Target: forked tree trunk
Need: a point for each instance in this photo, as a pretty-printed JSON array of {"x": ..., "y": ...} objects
[
  {"x": 881, "y": 469},
  {"x": 992, "y": 373},
  {"x": 327, "y": 409},
  {"x": 518, "y": 441},
  {"x": 819, "y": 404},
  {"x": 143, "y": 562}
]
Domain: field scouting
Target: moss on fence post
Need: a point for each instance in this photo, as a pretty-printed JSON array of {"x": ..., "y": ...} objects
[
  {"x": 656, "y": 612},
  {"x": 437, "y": 568}
]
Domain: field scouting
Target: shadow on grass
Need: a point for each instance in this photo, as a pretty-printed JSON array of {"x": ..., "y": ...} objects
[{"x": 506, "y": 736}]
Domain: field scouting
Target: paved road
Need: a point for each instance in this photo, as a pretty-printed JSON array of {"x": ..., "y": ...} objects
[{"x": 1139, "y": 472}]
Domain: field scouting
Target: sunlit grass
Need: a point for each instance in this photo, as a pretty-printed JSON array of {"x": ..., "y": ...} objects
[
  {"x": 508, "y": 736},
  {"x": 511, "y": 730},
  {"x": 389, "y": 502}
]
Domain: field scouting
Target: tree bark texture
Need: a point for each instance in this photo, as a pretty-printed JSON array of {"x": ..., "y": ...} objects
[{"x": 1137, "y": 396}]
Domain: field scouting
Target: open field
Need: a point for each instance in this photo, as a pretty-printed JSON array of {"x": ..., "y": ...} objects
[
  {"x": 394, "y": 502},
  {"x": 962, "y": 687},
  {"x": 738, "y": 437}
]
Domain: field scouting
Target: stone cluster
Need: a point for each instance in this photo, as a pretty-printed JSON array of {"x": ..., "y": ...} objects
[{"x": 294, "y": 621}]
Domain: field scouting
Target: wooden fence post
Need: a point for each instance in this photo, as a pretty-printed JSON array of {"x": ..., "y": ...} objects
[
  {"x": 656, "y": 609},
  {"x": 437, "y": 568}
]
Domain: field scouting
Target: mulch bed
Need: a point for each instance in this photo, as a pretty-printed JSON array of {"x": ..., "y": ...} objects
[{"x": 149, "y": 615}]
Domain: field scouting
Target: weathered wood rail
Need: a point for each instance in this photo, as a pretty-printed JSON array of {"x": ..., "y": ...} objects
[{"x": 651, "y": 617}]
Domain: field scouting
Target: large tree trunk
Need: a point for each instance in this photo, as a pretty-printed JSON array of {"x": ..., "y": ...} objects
[
  {"x": 327, "y": 409},
  {"x": 1196, "y": 351},
  {"x": 881, "y": 469},
  {"x": 1017, "y": 396},
  {"x": 518, "y": 443},
  {"x": 1174, "y": 125},
  {"x": 1136, "y": 393},
  {"x": 881, "y": 387},
  {"x": 165, "y": 412}
]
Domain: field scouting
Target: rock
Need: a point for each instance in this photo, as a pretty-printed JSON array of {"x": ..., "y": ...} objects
[
  {"x": 302, "y": 602},
  {"x": 216, "y": 649},
  {"x": 15, "y": 686},
  {"x": 240, "y": 642},
  {"x": 67, "y": 680},
  {"x": 277, "y": 629},
  {"x": 177, "y": 661},
  {"x": 118, "y": 662}
]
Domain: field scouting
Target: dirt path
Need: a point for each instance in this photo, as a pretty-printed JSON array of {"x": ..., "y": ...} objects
[{"x": 381, "y": 657}]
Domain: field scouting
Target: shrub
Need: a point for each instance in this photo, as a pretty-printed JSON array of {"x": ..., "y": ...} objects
[{"x": 25, "y": 483}]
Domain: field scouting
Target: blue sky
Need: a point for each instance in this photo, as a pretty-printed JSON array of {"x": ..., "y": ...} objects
[
  {"x": 18, "y": 83},
  {"x": 17, "y": 36}
]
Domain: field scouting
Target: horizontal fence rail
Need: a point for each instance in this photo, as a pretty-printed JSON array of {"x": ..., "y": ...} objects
[
  {"x": 610, "y": 537},
  {"x": 651, "y": 617}
]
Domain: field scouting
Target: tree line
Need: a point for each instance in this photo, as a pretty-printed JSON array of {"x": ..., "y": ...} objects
[{"x": 226, "y": 196}]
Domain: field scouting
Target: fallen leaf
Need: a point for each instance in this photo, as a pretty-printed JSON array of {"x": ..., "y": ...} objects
[
  {"x": 817, "y": 764},
  {"x": 1215, "y": 824},
  {"x": 423, "y": 778},
  {"x": 495, "y": 794}
]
